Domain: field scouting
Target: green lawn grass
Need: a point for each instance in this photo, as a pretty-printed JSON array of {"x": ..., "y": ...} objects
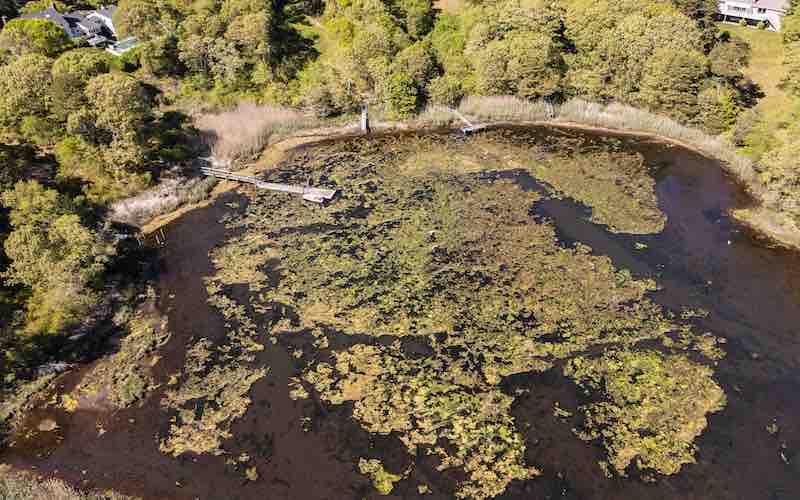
[{"x": 766, "y": 69}]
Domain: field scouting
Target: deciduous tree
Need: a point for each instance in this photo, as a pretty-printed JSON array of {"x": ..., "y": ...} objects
[
  {"x": 34, "y": 36},
  {"x": 53, "y": 254},
  {"x": 24, "y": 89}
]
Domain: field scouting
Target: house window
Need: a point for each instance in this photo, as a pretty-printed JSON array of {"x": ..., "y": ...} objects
[
  {"x": 738, "y": 9},
  {"x": 762, "y": 10}
]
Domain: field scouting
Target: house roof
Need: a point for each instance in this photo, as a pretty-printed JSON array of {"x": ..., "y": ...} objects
[
  {"x": 51, "y": 14},
  {"x": 772, "y": 4},
  {"x": 68, "y": 22},
  {"x": 107, "y": 10}
]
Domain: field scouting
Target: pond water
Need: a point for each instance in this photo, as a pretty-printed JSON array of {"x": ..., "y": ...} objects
[{"x": 701, "y": 259}]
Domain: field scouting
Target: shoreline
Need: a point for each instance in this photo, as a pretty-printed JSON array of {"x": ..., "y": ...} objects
[{"x": 773, "y": 227}]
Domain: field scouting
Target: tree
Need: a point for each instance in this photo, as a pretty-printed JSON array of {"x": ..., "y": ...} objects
[
  {"x": 146, "y": 19},
  {"x": 728, "y": 58},
  {"x": 671, "y": 82},
  {"x": 704, "y": 12},
  {"x": 71, "y": 73},
  {"x": 119, "y": 104},
  {"x": 718, "y": 108},
  {"x": 402, "y": 94},
  {"x": 417, "y": 16},
  {"x": 104, "y": 169},
  {"x": 40, "y": 5},
  {"x": 24, "y": 85},
  {"x": 534, "y": 66},
  {"x": 34, "y": 36},
  {"x": 53, "y": 254},
  {"x": 14, "y": 161}
]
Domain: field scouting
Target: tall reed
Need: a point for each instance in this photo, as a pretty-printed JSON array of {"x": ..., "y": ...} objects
[{"x": 244, "y": 131}]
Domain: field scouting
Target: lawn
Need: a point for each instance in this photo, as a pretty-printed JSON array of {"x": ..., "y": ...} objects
[{"x": 767, "y": 70}]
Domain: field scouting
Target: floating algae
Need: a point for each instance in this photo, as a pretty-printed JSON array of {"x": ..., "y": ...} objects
[
  {"x": 617, "y": 185},
  {"x": 218, "y": 378},
  {"x": 454, "y": 261},
  {"x": 654, "y": 406},
  {"x": 382, "y": 480},
  {"x": 126, "y": 377}
]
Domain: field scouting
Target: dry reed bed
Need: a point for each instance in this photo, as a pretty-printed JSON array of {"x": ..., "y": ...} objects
[
  {"x": 244, "y": 131},
  {"x": 163, "y": 198}
]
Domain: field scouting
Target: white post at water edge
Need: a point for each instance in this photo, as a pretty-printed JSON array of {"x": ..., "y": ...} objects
[{"x": 365, "y": 119}]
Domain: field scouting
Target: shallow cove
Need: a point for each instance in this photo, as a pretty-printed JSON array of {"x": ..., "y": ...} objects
[{"x": 701, "y": 260}]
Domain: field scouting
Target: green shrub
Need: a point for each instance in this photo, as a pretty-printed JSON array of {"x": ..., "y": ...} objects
[
  {"x": 402, "y": 95},
  {"x": 446, "y": 90}
]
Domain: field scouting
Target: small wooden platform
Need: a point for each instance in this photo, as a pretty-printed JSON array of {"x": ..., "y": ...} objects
[
  {"x": 469, "y": 127},
  {"x": 316, "y": 195}
]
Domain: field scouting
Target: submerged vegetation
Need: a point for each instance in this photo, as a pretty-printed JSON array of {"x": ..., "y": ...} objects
[
  {"x": 393, "y": 265},
  {"x": 654, "y": 405},
  {"x": 125, "y": 377}
]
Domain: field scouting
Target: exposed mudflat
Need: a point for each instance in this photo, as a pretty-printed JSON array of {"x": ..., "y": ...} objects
[{"x": 466, "y": 319}]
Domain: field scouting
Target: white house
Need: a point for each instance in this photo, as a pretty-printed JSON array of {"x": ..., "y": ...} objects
[
  {"x": 80, "y": 24},
  {"x": 104, "y": 15},
  {"x": 770, "y": 12}
]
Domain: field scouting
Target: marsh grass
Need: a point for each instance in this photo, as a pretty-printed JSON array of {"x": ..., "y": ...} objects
[
  {"x": 125, "y": 377},
  {"x": 164, "y": 198},
  {"x": 25, "y": 486},
  {"x": 244, "y": 131}
]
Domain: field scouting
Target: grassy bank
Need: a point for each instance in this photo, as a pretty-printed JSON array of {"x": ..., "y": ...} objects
[
  {"x": 775, "y": 109},
  {"x": 495, "y": 110}
]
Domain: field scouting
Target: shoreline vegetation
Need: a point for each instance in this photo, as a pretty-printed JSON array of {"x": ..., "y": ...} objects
[
  {"x": 19, "y": 485},
  {"x": 274, "y": 137}
]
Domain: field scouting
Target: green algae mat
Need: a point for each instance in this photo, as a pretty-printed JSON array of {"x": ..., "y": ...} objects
[{"x": 435, "y": 242}]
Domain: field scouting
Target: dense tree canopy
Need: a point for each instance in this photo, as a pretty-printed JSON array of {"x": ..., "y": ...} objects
[
  {"x": 53, "y": 254},
  {"x": 24, "y": 89},
  {"x": 34, "y": 36}
]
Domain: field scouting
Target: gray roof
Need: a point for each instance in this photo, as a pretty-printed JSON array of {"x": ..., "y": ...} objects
[
  {"x": 107, "y": 10},
  {"x": 68, "y": 22}
]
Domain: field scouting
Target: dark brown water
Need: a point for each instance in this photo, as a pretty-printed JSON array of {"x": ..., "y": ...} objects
[{"x": 701, "y": 259}]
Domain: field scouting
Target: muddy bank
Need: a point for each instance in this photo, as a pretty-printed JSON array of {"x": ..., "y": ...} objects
[
  {"x": 773, "y": 226},
  {"x": 310, "y": 449}
]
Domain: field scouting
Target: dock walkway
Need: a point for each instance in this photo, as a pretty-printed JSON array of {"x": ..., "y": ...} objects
[{"x": 316, "y": 195}]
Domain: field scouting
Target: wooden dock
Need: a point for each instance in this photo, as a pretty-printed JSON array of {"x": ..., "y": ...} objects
[
  {"x": 316, "y": 195},
  {"x": 469, "y": 126}
]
